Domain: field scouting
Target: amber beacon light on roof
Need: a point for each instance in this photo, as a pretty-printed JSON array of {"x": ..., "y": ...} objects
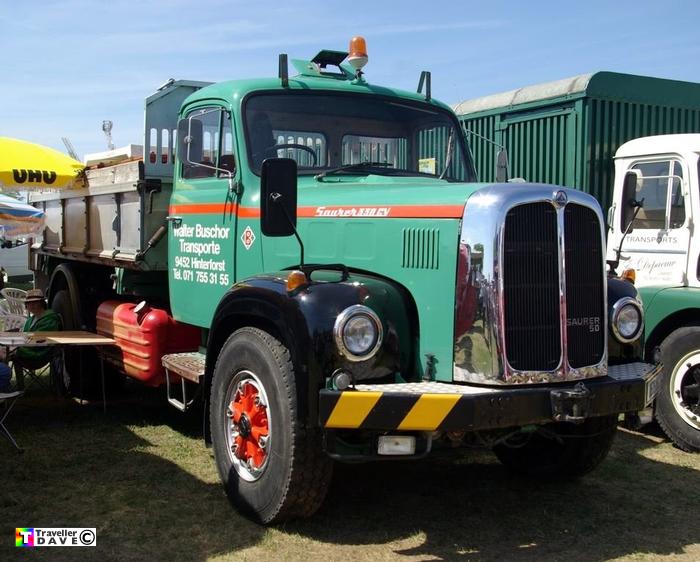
[{"x": 358, "y": 54}]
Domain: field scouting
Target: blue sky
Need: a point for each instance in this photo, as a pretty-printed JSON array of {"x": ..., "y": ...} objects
[{"x": 69, "y": 64}]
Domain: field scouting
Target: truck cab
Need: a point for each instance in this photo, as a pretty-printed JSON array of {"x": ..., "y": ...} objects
[
  {"x": 316, "y": 255},
  {"x": 656, "y": 202},
  {"x": 362, "y": 153}
]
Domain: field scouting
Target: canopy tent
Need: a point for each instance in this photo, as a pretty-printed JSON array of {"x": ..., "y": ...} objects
[
  {"x": 26, "y": 166},
  {"x": 19, "y": 220}
]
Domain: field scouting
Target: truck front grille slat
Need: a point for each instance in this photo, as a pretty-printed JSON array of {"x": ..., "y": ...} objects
[
  {"x": 584, "y": 287},
  {"x": 531, "y": 288}
]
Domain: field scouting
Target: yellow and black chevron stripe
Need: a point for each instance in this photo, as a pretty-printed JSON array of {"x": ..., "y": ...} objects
[
  {"x": 419, "y": 412},
  {"x": 377, "y": 409},
  {"x": 469, "y": 410}
]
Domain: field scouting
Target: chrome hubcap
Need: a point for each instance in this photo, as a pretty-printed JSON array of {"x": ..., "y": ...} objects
[{"x": 684, "y": 389}]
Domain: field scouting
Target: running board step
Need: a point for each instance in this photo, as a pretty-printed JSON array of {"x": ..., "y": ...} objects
[{"x": 187, "y": 366}]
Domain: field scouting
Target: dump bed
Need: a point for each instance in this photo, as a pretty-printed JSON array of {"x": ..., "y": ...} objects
[{"x": 111, "y": 219}]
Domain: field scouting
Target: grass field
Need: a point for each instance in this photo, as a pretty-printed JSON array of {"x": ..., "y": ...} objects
[{"x": 141, "y": 475}]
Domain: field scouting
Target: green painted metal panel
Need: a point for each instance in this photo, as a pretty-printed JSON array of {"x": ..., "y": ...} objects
[
  {"x": 646, "y": 90},
  {"x": 567, "y": 132},
  {"x": 534, "y": 141},
  {"x": 376, "y": 245},
  {"x": 662, "y": 302},
  {"x": 477, "y": 131},
  {"x": 201, "y": 252},
  {"x": 418, "y": 253}
]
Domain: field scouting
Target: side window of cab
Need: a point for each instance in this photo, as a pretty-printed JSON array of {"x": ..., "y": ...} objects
[
  {"x": 660, "y": 187},
  {"x": 206, "y": 144}
]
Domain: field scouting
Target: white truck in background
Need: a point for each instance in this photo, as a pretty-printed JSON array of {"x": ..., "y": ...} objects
[{"x": 652, "y": 222}]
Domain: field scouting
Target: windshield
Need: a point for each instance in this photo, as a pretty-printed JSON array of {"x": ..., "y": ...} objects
[{"x": 337, "y": 133}]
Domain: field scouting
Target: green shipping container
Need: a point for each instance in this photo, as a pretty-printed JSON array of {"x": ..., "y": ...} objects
[{"x": 566, "y": 132}]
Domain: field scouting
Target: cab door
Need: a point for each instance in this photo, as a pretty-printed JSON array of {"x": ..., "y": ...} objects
[
  {"x": 658, "y": 242},
  {"x": 202, "y": 215}
]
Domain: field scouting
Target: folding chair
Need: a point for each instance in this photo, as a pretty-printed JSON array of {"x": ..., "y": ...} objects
[
  {"x": 33, "y": 372},
  {"x": 12, "y": 322},
  {"x": 15, "y": 300},
  {"x": 5, "y": 307},
  {"x": 8, "y": 401},
  {"x": 34, "y": 368}
]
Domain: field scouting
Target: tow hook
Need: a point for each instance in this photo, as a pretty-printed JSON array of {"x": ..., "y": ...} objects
[{"x": 571, "y": 404}]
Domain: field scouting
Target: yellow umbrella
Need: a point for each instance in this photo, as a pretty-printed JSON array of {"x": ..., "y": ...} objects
[{"x": 28, "y": 166}]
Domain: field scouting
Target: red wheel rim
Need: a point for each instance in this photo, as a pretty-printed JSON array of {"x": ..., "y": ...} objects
[{"x": 250, "y": 431}]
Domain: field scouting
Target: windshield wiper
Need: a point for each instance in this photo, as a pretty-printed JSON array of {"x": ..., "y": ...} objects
[{"x": 353, "y": 167}]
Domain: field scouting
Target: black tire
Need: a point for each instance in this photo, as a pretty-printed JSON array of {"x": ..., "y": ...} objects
[
  {"x": 288, "y": 474},
  {"x": 560, "y": 450},
  {"x": 678, "y": 403}
]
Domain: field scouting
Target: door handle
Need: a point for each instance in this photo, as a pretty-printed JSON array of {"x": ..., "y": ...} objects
[{"x": 177, "y": 221}]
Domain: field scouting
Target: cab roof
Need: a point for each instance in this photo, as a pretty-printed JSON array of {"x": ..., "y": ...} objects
[
  {"x": 236, "y": 90},
  {"x": 660, "y": 144}
]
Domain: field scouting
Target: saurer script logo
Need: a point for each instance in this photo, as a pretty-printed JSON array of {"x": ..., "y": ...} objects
[
  {"x": 593, "y": 323},
  {"x": 34, "y": 176},
  {"x": 353, "y": 211}
]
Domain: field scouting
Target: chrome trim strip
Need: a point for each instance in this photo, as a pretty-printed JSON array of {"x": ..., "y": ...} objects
[
  {"x": 479, "y": 350},
  {"x": 561, "y": 248}
]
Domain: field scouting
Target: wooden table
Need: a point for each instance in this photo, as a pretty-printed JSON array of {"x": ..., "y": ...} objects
[{"x": 62, "y": 339}]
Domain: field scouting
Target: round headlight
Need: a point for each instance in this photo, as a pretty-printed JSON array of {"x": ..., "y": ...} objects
[
  {"x": 627, "y": 320},
  {"x": 358, "y": 333}
]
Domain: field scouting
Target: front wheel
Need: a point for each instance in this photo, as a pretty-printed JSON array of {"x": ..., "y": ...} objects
[
  {"x": 270, "y": 463},
  {"x": 678, "y": 403},
  {"x": 559, "y": 450}
]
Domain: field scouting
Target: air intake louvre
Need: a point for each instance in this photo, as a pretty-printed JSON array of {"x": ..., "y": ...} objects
[
  {"x": 421, "y": 248},
  {"x": 531, "y": 288},
  {"x": 584, "y": 287}
]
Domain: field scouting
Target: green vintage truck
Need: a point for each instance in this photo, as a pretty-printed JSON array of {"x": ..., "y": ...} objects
[{"x": 313, "y": 258}]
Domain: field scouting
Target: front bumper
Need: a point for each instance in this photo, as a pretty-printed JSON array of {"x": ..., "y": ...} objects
[{"x": 431, "y": 406}]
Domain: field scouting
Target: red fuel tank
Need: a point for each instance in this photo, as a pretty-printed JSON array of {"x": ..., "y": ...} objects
[{"x": 144, "y": 334}]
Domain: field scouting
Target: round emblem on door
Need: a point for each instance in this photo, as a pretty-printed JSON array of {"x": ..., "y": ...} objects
[{"x": 560, "y": 198}]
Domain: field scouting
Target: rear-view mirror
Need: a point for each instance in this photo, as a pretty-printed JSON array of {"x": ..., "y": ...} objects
[
  {"x": 629, "y": 198},
  {"x": 502, "y": 166},
  {"x": 278, "y": 197}
]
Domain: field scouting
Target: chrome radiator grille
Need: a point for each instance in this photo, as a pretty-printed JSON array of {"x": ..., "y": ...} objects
[
  {"x": 531, "y": 297},
  {"x": 532, "y": 309}
]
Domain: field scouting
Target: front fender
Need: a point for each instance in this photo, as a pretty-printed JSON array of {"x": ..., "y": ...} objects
[
  {"x": 303, "y": 321},
  {"x": 667, "y": 309}
]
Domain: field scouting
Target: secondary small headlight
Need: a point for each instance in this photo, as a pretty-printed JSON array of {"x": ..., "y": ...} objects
[
  {"x": 358, "y": 333},
  {"x": 627, "y": 319}
]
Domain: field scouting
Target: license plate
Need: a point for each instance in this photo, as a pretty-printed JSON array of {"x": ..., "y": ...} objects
[{"x": 652, "y": 386}]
